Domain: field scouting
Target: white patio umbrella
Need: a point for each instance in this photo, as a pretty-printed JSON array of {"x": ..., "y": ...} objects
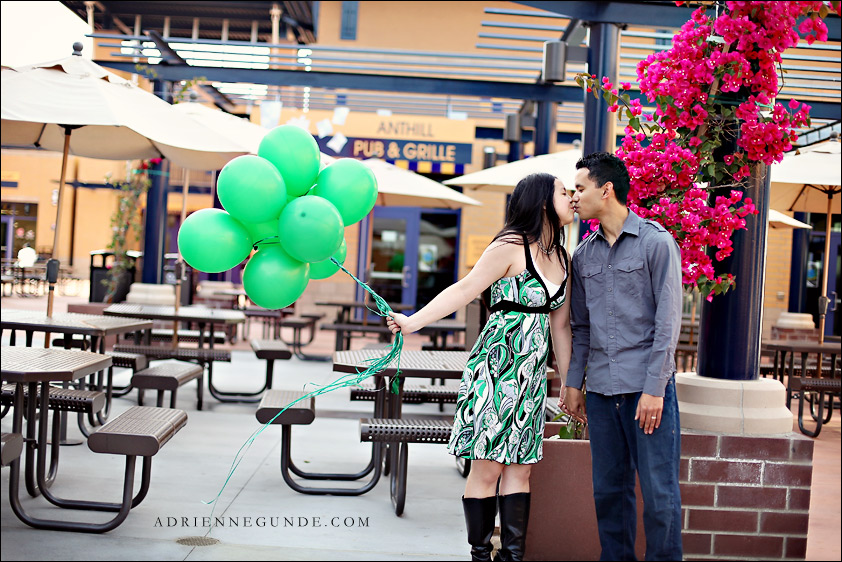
[
  {"x": 399, "y": 187},
  {"x": 780, "y": 220},
  {"x": 504, "y": 178},
  {"x": 810, "y": 182},
  {"x": 75, "y": 106}
]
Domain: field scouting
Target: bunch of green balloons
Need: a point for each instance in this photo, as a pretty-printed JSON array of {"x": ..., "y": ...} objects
[{"x": 282, "y": 205}]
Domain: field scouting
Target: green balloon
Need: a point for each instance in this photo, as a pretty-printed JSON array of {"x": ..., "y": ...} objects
[
  {"x": 251, "y": 189},
  {"x": 326, "y": 268},
  {"x": 263, "y": 232},
  {"x": 311, "y": 229},
  {"x": 272, "y": 279},
  {"x": 211, "y": 240},
  {"x": 295, "y": 154},
  {"x": 350, "y": 185}
]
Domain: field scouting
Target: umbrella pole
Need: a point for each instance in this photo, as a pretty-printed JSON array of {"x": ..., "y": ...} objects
[
  {"x": 53, "y": 263},
  {"x": 823, "y": 298},
  {"x": 178, "y": 265}
]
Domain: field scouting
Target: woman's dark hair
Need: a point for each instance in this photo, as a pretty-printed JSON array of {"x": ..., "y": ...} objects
[
  {"x": 603, "y": 168},
  {"x": 525, "y": 213}
]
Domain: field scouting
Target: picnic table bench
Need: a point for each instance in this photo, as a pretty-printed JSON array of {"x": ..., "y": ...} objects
[
  {"x": 400, "y": 433},
  {"x": 202, "y": 356},
  {"x": 303, "y": 412}
]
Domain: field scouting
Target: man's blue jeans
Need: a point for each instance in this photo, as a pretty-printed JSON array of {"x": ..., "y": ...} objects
[{"x": 618, "y": 448}]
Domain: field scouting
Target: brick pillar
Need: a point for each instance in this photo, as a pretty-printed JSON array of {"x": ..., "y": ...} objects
[{"x": 745, "y": 497}]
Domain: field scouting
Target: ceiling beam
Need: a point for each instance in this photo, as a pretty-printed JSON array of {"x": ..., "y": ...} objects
[
  {"x": 370, "y": 82},
  {"x": 648, "y": 14}
]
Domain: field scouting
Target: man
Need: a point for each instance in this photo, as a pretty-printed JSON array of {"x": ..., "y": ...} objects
[{"x": 626, "y": 295}]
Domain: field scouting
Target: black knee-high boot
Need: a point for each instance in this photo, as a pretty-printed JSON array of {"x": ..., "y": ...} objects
[
  {"x": 479, "y": 519},
  {"x": 514, "y": 517}
]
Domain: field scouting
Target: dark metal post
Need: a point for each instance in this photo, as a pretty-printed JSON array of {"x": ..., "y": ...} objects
[
  {"x": 730, "y": 326},
  {"x": 545, "y": 127},
  {"x": 798, "y": 268},
  {"x": 602, "y": 61},
  {"x": 512, "y": 133},
  {"x": 155, "y": 225}
]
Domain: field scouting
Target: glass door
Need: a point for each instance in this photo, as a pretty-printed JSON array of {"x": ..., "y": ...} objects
[
  {"x": 6, "y": 235},
  {"x": 394, "y": 254}
]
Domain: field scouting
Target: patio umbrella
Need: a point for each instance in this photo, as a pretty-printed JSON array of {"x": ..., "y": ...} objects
[
  {"x": 780, "y": 220},
  {"x": 504, "y": 178},
  {"x": 396, "y": 186},
  {"x": 75, "y": 106},
  {"x": 810, "y": 182}
]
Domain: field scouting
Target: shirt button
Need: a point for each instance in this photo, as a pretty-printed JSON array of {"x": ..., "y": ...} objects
[
  {"x": 609, "y": 267},
  {"x": 610, "y": 313},
  {"x": 610, "y": 289},
  {"x": 613, "y": 360},
  {"x": 610, "y": 337}
]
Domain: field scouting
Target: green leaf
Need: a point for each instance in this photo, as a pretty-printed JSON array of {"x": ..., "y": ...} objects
[
  {"x": 567, "y": 432},
  {"x": 634, "y": 122}
]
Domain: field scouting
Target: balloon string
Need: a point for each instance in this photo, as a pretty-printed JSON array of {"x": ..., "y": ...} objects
[
  {"x": 377, "y": 365},
  {"x": 275, "y": 240}
]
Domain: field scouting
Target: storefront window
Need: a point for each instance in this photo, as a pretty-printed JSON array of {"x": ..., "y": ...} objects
[{"x": 19, "y": 221}]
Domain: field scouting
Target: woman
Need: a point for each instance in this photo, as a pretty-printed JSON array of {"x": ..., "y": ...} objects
[{"x": 499, "y": 418}]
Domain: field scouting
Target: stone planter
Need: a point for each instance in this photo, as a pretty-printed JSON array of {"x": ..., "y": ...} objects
[{"x": 562, "y": 519}]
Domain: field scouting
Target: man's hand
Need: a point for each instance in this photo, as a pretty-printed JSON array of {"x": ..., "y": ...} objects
[
  {"x": 648, "y": 412},
  {"x": 573, "y": 404}
]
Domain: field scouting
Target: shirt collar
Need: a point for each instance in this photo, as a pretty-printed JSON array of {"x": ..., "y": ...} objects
[{"x": 631, "y": 226}]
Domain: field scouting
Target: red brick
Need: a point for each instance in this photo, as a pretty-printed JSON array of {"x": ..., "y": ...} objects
[
  {"x": 788, "y": 523},
  {"x": 799, "y": 499},
  {"x": 720, "y": 520},
  {"x": 754, "y": 546},
  {"x": 802, "y": 449},
  {"x": 754, "y": 497},
  {"x": 759, "y": 448},
  {"x": 781, "y": 474},
  {"x": 796, "y": 547},
  {"x": 735, "y": 472},
  {"x": 697, "y": 543},
  {"x": 698, "y": 445},
  {"x": 697, "y": 495}
]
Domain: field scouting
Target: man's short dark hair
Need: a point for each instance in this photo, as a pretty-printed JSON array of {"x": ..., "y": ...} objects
[{"x": 604, "y": 167}]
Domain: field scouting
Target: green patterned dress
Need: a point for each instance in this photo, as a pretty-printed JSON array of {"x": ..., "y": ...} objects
[{"x": 500, "y": 406}]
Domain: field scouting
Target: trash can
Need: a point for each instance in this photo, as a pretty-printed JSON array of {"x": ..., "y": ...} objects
[
  {"x": 188, "y": 283},
  {"x": 101, "y": 263}
]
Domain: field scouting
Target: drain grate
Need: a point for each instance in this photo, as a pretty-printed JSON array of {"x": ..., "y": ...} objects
[{"x": 197, "y": 541}]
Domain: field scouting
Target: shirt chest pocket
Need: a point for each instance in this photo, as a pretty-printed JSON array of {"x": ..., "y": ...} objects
[
  {"x": 594, "y": 281},
  {"x": 630, "y": 277}
]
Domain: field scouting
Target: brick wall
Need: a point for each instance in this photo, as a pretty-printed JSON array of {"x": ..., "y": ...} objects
[
  {"x": 799, "y": 334},
  {"x": 745, "y": 497}
]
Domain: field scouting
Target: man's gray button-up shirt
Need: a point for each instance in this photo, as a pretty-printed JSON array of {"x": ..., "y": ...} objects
[{"x": 625, "y": 310}]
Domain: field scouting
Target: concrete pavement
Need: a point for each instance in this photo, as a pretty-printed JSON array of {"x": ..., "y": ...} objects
[{"x": 259, "y": 517}]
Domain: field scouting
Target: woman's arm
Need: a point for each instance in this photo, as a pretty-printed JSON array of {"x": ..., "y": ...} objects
[
  {"x": 494, "y": 263},
  {"x": 562, "y": 338}
]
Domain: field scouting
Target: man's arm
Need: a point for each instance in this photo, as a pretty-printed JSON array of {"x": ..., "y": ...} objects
[
  {"x": 664, "y": 260},
  {"x": 580, "y": 326}
]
